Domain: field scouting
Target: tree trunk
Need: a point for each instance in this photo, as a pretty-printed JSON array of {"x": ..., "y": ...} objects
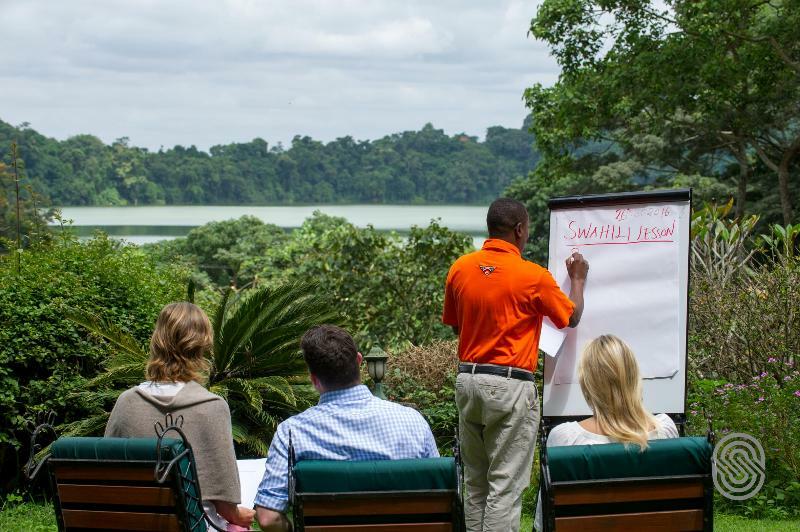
[
  {"x": 783, "y": 180},
  {"x": 783, "y": 188},
  {"x": 744, "y": 174}
]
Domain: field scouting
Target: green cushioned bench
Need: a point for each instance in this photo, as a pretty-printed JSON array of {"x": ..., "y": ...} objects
[
  {"x": 398, "y": 495},
  {"x": 110, "y": 483},
  {"x": 610, "y": 487},
  {"x": 122, "y": 483}
]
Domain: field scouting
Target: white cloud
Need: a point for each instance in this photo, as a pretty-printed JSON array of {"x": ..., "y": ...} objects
[{"x": 206, "y": 72}]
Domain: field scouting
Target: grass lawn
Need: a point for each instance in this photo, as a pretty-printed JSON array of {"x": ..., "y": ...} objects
[{"x": 32, "y": 517}]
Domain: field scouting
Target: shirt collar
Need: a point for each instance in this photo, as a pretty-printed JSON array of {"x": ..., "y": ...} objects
[
  {"x": 495, "y": 244},
  {"x": 355, "y": 393}
]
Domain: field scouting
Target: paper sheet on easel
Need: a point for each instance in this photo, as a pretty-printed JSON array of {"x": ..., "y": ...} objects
[
  {"x": 551, "y": 338},
  {"x": 250, "y": 474}
]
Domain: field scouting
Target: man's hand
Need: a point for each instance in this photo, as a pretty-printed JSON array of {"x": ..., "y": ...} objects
[
  {"x": 272, "y": 521},
  {"x": 577, "y": 267}
]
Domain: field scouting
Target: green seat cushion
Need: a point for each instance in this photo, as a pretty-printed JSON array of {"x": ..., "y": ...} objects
[
  {"x": 124, "y": 449},
  {"x": 674, "y": 456},
  {"x": 328, "y": 476}
]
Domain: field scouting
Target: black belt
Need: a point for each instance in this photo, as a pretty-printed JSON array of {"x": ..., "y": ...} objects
[{"x": 500, "y": 371}]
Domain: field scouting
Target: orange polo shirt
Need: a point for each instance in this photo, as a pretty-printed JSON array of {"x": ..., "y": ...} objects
[{"x": 497, "y": 300}]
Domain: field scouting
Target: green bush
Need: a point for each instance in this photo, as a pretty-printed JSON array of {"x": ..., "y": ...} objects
[
  {"x": 425, "y": 378},
  {"x": 44, "y": 358},
  {"x": 766, "y": 408}
]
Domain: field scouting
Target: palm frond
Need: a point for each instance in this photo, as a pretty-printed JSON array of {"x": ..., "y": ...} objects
[
  {"x": 91, "y": 426},
  {"x": 219, "y": 319},
  {"x": 245, "y": 390},
  {"x": 121, "y": 341}
]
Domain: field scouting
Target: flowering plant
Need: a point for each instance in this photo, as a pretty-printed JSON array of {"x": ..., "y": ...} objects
[{"x": 767, "y": 408}]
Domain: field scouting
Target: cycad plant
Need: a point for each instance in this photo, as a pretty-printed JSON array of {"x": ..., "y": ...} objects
[{"x": 256, "y": 363}]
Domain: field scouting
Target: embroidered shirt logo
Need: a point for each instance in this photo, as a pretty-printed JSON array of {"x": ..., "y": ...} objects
[{"x": 487, "y": 270}]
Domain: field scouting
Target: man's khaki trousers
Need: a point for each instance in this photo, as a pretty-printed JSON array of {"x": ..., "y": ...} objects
[{"x": 498, "y": 420}]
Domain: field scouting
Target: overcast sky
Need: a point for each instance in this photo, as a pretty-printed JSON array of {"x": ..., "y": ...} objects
[{"x": 208, "y": 72}]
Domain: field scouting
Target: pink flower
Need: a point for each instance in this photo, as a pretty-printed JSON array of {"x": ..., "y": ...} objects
[
  {"x": 772, "y": 359},
  {"x": 760, "y": 399},
  {"x": 787, "y": 378},
  {"x": 694, "y": 412},
  {"x": 797, "y": 393},
  {"x": 763, "y": 374}
]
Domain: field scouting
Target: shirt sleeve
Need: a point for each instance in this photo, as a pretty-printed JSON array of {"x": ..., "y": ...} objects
[
  {"x": 550, "y": 301},
  {"x": 449, "y": 316},
  {"x": 668, "y": 428},
  {"x": 273, "y": 492},
  {"x": 430, "y": 449}
]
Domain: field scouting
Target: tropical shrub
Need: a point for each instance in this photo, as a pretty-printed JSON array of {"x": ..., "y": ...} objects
[
  {"x": 256, "y": 363},
  {"x": 44, "y": 358},
  {"x": 743, "y": 315}
]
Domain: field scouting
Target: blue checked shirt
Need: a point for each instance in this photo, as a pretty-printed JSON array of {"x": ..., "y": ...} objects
[{"x": 349, "y": 424}]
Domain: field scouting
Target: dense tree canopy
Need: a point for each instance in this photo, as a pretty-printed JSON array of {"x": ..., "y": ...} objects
[
  {"x": 423, "y": 166},
  {"x": 675, "y": 93}
]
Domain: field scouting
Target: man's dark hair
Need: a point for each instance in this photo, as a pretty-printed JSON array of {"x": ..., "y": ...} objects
[
  {"x": 504, "y": 215},
  {"x": 331, "y": 354}
]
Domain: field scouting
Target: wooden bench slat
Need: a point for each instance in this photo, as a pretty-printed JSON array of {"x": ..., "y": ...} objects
[
  {"x": 628, "y": 493},
  {"x": 120, "y": 520},
  {"x": 413, "y": 504},
  {"x": 675, "y": 520},
  {"x": 122, "y": 495},
  {"x": 398, "y": 527},
  {"x": 83, "y": 472}
]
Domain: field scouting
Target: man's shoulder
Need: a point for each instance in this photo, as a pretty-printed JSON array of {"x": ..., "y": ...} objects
[{"x": 467, "y": 258}]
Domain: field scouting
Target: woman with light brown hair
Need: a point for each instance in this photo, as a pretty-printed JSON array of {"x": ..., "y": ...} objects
[
  {"x": 175, "y": 370},
  {"x": 612, "y": 386}
]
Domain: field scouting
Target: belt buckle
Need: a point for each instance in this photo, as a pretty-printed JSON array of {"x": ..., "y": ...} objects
[{"x": 508, "y": 375}]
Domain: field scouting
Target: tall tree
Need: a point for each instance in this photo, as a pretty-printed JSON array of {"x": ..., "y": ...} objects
[{"x": 720, "y": 78}]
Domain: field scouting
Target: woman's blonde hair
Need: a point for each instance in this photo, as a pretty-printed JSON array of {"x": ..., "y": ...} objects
[
  {"x": 609, "y": 377},
  {"x": 182, "y": 338}
]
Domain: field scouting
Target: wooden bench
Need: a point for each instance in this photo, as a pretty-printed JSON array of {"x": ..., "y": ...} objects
[
  {"x": 124, "y": 483},
  {"x": 421, "y": 495},
  {"x": 610, "y": 487}
]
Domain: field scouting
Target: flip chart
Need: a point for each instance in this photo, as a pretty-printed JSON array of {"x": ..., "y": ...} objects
[{"x": 637, "y": 249}]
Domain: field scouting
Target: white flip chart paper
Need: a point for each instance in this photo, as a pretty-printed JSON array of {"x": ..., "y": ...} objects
[
  {"x": 552, "y": 338},
  {"x": 632, "y": 288}
]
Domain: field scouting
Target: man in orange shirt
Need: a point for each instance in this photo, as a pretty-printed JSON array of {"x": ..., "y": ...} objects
[{"x": 495, "y": 301}]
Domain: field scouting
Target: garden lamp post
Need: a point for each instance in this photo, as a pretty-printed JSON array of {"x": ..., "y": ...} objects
[{"x": 376, "y": 367}]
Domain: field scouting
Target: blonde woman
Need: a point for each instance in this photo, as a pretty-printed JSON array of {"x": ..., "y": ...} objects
[
  {"x": 176, "y": 368},
  {"x": 612, "y": 386}
]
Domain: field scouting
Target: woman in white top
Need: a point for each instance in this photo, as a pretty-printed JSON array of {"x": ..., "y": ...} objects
[{"x": 612, "y": 386}]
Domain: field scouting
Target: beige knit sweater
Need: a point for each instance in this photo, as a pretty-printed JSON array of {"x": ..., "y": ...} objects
[{"x": 207, "y": 424}]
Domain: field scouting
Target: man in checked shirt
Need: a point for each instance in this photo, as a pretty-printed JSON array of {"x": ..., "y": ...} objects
[{"x": 349, "y": 423}]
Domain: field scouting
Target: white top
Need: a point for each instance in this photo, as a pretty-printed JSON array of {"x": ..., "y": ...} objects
[
  {"x": 166, "y": 389},
  {"x": 573, "y": 434}
]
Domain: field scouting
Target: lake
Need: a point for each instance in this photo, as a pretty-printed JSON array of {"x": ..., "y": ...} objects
[{"x": 141, "y": 225}]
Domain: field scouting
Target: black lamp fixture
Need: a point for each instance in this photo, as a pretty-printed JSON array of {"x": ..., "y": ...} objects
[{"x": 376, "y": 367}]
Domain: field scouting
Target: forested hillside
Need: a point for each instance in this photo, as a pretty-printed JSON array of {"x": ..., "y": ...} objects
[{"x": 425, "y": 166}]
